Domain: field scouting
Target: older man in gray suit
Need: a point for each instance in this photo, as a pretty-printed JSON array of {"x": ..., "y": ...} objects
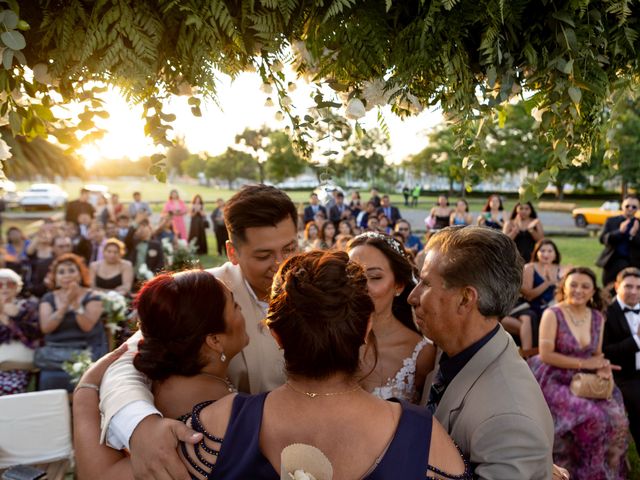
[{"x": 483, "y": 393}]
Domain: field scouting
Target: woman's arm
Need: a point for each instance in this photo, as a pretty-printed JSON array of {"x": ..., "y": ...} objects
[
  {"x": 127, "y": 277},
  {"x": 87, "y": 315},
  {"x": 509, "y": 229},
  {"x": 95, "y": 461},
  {"x": 528, "y": 290},
  {"x": 51, "y": 319},
  {"x": 536, "y": 230},
  {"x": 93, "y": 267},
  {"x": 548, "y": 331}
]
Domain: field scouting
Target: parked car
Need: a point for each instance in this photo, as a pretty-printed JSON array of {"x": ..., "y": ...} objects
[
  {"x": 43, "y": 195},
  {"x": 584, "y": 217}
]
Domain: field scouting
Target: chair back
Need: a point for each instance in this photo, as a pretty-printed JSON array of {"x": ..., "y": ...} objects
[{"x": 35, "y": 428}]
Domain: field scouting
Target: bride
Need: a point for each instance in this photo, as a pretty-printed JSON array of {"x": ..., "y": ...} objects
[{"x": 405, "y": 357}]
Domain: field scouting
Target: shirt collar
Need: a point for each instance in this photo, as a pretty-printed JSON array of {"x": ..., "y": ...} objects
[
  {"x": 451, "y": 366},
  {"x": 264, "y": 306},
  {"x": 624, "y": 305}
]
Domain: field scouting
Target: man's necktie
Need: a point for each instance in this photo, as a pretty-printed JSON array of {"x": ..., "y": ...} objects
[
  {"x": 634, "y": 310},
  {"x": 436, "y": 391}
]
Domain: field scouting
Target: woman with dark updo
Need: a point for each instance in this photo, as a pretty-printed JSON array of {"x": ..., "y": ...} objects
[
  {"x": 319, "y": 315},
  {"x": 185, "y": 353}
]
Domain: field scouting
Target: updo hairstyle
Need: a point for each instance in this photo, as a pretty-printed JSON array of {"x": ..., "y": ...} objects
[
  {"x": 177, "y": 311},
  {"x": 320, "y": 311}
]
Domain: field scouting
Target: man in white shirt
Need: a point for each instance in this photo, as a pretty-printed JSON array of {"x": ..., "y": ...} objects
[
  {"x": 261, "y": 221},
  {"x": 621, "y": 343}
]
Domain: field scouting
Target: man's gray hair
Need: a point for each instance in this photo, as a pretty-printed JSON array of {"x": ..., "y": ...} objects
[{"x": 482, "y": 258}]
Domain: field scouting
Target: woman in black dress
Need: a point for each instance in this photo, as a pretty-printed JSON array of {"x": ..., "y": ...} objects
[
  {"x": 524, "y": 228},
  {"x": 198, "y": 227}
]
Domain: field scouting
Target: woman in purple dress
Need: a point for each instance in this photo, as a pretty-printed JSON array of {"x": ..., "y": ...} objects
[{"x": 590, "y": 435}]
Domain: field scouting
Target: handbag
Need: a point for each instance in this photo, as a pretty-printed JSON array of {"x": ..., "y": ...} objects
[
  {"x": 53, "y": 355},
  {"x": 591, "y": 385},
  {"x": 15, "y": 355}
]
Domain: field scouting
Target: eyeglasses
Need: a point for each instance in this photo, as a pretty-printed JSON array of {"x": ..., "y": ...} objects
[
  {"x": 632, "y": 207},
  {"x": 403, "y": 229},
  {"x": 8, "y": 284}
]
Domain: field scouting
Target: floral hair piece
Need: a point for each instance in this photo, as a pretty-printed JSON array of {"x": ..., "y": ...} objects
[{"x": 392, "y": 242}]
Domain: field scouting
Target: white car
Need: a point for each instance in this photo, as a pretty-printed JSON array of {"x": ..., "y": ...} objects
[{"x": 43, "y": 195}]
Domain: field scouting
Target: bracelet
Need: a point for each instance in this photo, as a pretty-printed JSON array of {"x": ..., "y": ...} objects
[{"x": 92, "y": 386}]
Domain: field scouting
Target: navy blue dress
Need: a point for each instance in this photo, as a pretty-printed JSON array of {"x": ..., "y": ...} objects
[{"x": 239, "y": 455}]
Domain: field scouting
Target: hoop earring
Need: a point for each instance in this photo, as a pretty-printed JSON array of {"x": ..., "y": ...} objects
[{"x": 223, "y": 357}]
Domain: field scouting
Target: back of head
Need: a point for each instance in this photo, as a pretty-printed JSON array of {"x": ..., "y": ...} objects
[
  {"x": 483, "y": 258},
  {"x": 257, "y": 206},
  {"x": 320, "y": 311},
  {"x": 175, "y": 321}
]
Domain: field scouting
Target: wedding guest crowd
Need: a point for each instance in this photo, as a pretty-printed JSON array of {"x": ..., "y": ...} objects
[{"x": 365, "y": 313}]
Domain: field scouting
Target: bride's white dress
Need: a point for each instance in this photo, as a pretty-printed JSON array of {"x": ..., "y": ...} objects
[{"x": 402, "y": 384}]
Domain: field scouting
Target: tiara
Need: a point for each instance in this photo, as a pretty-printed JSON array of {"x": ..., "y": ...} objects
[{"x": 392, "y": 242}]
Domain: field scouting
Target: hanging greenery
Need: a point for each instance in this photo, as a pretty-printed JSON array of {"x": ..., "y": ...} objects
[{"x": 571, "y": 60}]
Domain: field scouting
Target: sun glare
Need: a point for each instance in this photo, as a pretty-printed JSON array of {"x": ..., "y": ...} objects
[{"x": 241, "y": 105}]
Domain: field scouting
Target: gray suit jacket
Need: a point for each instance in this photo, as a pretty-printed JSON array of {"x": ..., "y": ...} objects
[{"x": 494, "y": 410}]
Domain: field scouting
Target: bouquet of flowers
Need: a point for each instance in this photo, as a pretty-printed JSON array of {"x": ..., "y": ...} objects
[
  {"x": 78, "y": 364},
  {"x": 114, "y": 306},
  {"x": 183, "y": 256}
]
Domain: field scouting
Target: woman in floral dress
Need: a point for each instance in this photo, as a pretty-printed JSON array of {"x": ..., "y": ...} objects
[{"x": 590, "y": 435}]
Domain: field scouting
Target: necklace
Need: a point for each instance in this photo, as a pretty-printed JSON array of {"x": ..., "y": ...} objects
[
  {"x": 579, "y": 322},
  {"x": 230, "y": 386},
  {"x": 328, "y": 394}
]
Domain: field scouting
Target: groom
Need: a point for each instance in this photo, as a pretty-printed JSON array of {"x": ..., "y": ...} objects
[{"x": 261, "y": 222}]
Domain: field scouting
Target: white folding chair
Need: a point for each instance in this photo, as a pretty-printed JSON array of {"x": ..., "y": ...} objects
[{"x": 35, "y": 429}]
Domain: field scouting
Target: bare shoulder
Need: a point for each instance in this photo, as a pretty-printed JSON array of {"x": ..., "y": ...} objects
[
  {"x": 215, "y": 417},
  {"x": 443, "y": 453}
]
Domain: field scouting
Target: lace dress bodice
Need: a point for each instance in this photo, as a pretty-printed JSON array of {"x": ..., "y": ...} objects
[{"x": 403, "y": 384}]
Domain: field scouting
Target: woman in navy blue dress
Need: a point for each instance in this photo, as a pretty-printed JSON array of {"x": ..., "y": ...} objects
[{"x": 319, "y": 314}]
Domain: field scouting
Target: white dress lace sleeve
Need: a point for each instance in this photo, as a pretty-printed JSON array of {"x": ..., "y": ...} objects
[{"x": 402, "y": 385}]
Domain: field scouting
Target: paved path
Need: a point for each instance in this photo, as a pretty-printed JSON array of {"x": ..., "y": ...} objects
[{"x": 553, "y": 222}]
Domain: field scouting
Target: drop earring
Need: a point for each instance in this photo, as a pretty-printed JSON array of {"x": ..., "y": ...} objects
[{"x": 223, "y": 357}]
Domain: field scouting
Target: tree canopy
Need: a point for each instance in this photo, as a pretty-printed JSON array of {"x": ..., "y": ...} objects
[{"x": 570, "y": 59}]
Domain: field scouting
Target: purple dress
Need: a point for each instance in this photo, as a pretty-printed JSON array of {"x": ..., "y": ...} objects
[{"x": 590, "y": 435}]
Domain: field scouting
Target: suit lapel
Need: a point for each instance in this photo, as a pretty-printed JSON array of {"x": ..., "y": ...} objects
[
  {"x": 453, "y": 399},
  {"x": 618, "y": 316}
]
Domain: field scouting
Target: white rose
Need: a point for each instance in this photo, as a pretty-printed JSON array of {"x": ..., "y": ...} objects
[
  {"x": 355, "y": 109},
  {"x": 5, "y": 150}
]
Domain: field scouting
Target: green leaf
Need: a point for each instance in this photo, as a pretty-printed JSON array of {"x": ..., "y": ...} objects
[
  {"x": 568, "y": 67},
  {"x": 388, "y": 5},
  {"x": 162, "y": 176},
  {"x": 194, "y": 101},
  {"x": 15, "y": 121},
  {"x": 576, "y": 94},
  {"x": 196, "y": 111},
  {"x": 7, "y": 58},
  {"x": 157, "y": 158},
  {"x": 565, "y": 17},
  {"x": 9, "y": 19},
  {"x": 492, "y": 75},
  {"x": 13, "y": 39}
]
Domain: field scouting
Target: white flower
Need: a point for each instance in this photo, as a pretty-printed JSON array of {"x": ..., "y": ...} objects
[
  {"x": 301, "y": 475},
  {"x": 5, "y": 150},
  {"x": 374, "y": 94},
  {"x": 268, "y": 102},
  {"x": 77, "y": 367},
  {"x": 144, "y": 272},
  {"x": 266, "y": 88},
  {"x": 536, "y": 113},
  {"x": 285, "y": 101},
  {"x": 291, "y": 86},
  {"x": 279, "y": 116},
  {"x": 41, "y": 73},
  {"x": 301, "y": 54},
  {"x": 277, "y": 66},
  {"x": 410, "y": 103},
  {"x": 355, "y": 109}
]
